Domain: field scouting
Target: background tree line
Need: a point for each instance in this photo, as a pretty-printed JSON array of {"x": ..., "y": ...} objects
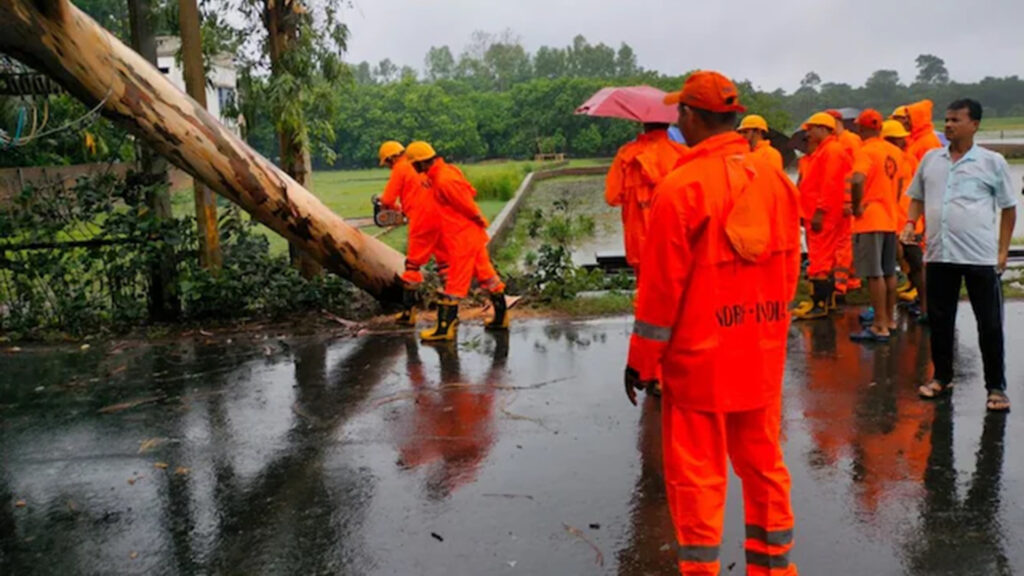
[
  {"x": 884, "y": 90},
  {"x": 494, "y": 99},
  {"x": 497, "y": 100}
]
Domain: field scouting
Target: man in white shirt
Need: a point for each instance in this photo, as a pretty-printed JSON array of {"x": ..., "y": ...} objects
[{"x": 970, "y": 208}]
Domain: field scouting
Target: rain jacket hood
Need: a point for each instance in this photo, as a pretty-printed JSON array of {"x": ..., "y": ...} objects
[
  {"x": 922, "y": 132},
  {"x": 921, "y": 118},
  {"x": 637, "y": 169}
]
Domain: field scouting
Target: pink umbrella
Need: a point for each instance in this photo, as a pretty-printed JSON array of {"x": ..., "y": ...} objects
[{"x": 637, "y": 103}]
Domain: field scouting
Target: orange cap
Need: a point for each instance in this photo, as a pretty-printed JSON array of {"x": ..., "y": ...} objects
[
  {"x": 834, "y": 113},
  {"x": 871, "y": 119},
  {"x": 708, "y": 90}
]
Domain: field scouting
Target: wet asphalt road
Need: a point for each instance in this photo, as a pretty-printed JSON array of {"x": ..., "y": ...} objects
[{"x": 502, "y": 455}]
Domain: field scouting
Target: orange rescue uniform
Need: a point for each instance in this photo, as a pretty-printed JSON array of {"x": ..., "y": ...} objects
[
  {"x": 463, "y": 232},
  {"x": 823, "y": 187},
  {"x": 880, "y": 163},
  {"x": 713, "y": 315},
  {"x": 637, "y": 169},
  {"x": 922, "y": 131},
  {"x": 412, "y": 191},
  {"x": 844, "y": 272},
  {"x": 801, "y": 170},
  {"x": 907, "y": 169},
  {"x": 850, "y": 141},
  {"x": 766, "y": 152}
]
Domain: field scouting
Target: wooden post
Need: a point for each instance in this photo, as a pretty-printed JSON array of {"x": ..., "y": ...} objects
[
  {"x": 164, "y": 304},
  {"x": 56, "y": 38},
  {"x": 195, "y": 84}
]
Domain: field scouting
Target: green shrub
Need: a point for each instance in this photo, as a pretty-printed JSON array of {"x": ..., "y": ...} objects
[
  {"x": 84, "y": 289},
  {"x": 253, "y": 282},
  {"x": 497, "y": 185},
  {"x": 549, "y": 272}
]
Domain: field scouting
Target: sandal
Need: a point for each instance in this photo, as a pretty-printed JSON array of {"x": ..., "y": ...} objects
[
  {"x": 869, "y": 335},
  {"x": 997, "y": 401},
  {"x": 934, "y": 389}
]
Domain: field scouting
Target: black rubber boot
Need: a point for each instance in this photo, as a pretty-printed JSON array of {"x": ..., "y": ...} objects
[
  {"x": 820, "y": 296},
  {"x": 408, "y": 315},
  {"x": 500, "y": 320},
  {"x": 447, "y": 322}
]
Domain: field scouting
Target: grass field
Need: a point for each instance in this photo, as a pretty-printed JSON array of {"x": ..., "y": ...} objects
[
  {"x": 1007, "y": 123},
  {"x": 587, "y": 162}
]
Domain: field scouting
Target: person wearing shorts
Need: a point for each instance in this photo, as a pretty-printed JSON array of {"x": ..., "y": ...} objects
[{"x": 875, "y": 191}]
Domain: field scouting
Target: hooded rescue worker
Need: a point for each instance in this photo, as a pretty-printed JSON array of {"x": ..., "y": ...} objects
[
  {"x": 410, "y": 191},
  {"x": 713, "y": 316},
  {"x": 464, "y": 240},
  {"x": 912, "y": 254},
  {"x": 638, "y": 168},
  {"x": 876, "y": 189},
  {"x": 755, "y": 129},
  {"x": 823, "y": 198},
  {"x": 917, "y": 119}
]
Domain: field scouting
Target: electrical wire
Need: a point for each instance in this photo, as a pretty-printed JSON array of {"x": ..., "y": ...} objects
[
  {"x": 17, "y": 130},
  {"x": 89, "y": 116}
]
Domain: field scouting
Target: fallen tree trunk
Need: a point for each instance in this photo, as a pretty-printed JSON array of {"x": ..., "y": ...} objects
[{"x": 55, "y": 37}]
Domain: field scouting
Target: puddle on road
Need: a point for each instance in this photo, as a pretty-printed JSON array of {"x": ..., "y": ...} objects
[{"x": 517, "y": 453}]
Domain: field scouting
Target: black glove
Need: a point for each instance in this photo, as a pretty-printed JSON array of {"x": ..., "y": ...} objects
[{"x": 633, "y": 383}]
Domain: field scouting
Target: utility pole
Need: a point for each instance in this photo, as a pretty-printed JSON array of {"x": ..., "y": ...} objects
[
  {"x": 164, "y": 303},
  {"x": 195, "y": 85}
]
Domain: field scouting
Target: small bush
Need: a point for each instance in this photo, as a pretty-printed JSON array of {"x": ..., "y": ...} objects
[
  {"x": 549, "y": 272},
  {"x": 253, "y": 282},
  {"x": 498, "y": 185},
  {"x": 85, "y": 289}
]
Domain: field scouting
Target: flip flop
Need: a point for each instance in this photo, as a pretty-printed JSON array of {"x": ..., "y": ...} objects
[
  {"x": 935, "y": 390},
  {"x": 997, "y": 401},
  {"x": 867, "y": 316},
  {"x": 869, "y": 335}
]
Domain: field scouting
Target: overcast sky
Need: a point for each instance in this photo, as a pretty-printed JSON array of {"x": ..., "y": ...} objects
[{"x": 771, "y": 43}]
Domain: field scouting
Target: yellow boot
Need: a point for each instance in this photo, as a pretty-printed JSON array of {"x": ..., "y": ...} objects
[
  {"x": 408, "y": 315},
  {"x": 406, "y": 318},
  {"x": 819, "y": 305},
  {"x": 500, "y": 320},
  {"x": 803, "y": 307},
  {"x": 447, "y": 323}
]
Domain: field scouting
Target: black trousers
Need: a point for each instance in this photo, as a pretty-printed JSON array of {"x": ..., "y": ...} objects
[{"x": 986, "y": 294}]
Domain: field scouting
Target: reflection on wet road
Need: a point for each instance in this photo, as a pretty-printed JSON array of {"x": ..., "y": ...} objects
[{"x": 503, "y": 454}]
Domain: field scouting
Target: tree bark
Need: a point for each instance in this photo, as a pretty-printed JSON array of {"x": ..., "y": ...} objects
[
  {"x": 164, "y": 303},
  {"x": 58, "y": 39},
  {"x": 293, "y": 147},
  {"x": 195, "y": 85}
]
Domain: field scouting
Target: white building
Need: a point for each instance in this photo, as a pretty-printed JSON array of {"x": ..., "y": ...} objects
[{"x": 221, "y": 82}]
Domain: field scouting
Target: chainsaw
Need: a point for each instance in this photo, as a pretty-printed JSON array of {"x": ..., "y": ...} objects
[{"x": 384, "y": 217}]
